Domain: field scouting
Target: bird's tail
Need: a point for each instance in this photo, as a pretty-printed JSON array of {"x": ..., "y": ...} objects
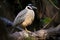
[
  {"x": 9, "y": 23},
  {"x": 6, "y": 21}
]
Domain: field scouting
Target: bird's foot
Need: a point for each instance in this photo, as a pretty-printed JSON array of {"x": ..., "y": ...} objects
[{"x": 27, "y": 31}]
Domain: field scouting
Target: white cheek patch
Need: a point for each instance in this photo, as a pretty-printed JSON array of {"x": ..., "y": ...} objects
[{"x": 30, "y": 7}]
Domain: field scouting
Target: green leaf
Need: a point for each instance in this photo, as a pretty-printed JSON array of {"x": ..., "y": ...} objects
[{"x": 46, "y": 20}]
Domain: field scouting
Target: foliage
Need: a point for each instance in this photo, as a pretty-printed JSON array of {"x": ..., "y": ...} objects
[
  {"x": 55, "y": 2},
  {"x": 46, "y": 20}
]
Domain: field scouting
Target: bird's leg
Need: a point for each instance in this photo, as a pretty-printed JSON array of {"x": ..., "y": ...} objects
[{"x": 27, "y": 30}]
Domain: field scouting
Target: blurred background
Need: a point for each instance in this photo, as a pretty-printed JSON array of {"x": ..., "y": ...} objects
[{"x": 46, "y": 10}]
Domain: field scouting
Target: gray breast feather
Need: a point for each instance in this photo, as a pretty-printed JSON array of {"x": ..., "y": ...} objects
[{"x": 20, "y": 17}]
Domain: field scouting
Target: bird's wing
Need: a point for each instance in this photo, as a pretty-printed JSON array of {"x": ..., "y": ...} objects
[{"x": 20, "y": 17}]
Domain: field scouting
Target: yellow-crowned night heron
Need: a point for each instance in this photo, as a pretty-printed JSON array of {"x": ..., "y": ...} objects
[{"x": 25, "y": 17}]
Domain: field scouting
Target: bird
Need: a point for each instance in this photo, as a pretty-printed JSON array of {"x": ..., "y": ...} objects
[{"x": 25, "y": 17}]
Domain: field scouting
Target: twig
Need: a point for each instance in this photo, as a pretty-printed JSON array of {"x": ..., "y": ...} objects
[
  {"x": 54, "y": 5},
  {"x": 54, "y": 15},
  {"x": 50, "y": 21}
]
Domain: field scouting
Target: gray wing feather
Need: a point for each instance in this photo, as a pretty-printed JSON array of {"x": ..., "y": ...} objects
[{"x": 20, "y": 17}]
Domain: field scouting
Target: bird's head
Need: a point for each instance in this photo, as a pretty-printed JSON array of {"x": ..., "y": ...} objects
[{"x": 31, "y": 7}]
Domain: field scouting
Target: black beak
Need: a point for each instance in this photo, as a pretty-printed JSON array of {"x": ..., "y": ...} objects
[{"x": 34, "y": 7}]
